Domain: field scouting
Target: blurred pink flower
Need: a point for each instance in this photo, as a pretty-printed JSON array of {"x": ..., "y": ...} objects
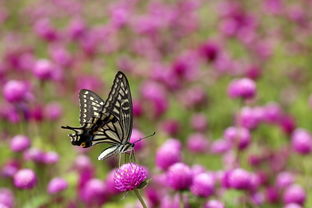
[
  {"x": 199, "y": 122},
  {"x": 179, "y": 176},
  {"x": 57, "y": 185},
  {"x": 7, "y": 199},
  {"x": 294, "y": 194},
  {"x": 15, "y": 91},
  {"x": 20, "y": 143},
  {"x": 25, "y": 179},
  {"x": 301, "y": 141},
  {"x": 197, "y": 143},
  {"x": 135, "y": 136},
  {"x": 168, "y": 154},
  {"x": 242, "y": 88},
  {"x": 45, "y": 30}
]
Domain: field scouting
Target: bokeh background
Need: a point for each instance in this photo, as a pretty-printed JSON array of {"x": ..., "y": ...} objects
[{"x": 226, "y": 85}]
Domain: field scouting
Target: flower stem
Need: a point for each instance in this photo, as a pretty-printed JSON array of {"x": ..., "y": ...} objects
[
  {"x": 137, "y": 193},
  {"x": 181, "y": 199}
]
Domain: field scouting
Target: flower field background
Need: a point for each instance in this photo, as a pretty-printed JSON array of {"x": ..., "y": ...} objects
[{"x": 226, "y": 86}]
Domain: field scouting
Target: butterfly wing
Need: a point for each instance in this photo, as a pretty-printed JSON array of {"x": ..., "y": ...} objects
[
  {"x": 119, "y": 105},
  {"x": 90, "y": 106},
  {"x": 108, "y": 152}
]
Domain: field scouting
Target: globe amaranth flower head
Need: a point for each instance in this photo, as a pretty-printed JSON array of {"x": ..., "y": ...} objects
[
  {"x": 25, "y": 179},
  {"x": 19, "y": 143},
  {"x": 57, "y": 185},
  {"x": 197, "y": 143},
  {"x": 135, "y": 136},
  {"x": 6, "y": 198},
  {"x": 284, "y": 179},
  {"x": 239, "y": 179},
  {"x": 168, "y": 154},
  {"x": 294, "y": 194},
  {"x": 129, "y": 177},
  {"x": 179, "y": 176},
  {"x": 203, "y": 185},
  {"x": 292, "y": 205},
  {"x": 94, "y": 192},
  {"x": 15, "y": 91},
  {"x": 302, "y": 141},
  {"x": 242, "y": 88},
  {"x": 238, "y": 136},
  {"x": 214, "y": 204}
]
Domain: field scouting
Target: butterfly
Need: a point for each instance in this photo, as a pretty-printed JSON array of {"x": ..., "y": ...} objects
[{"x": 107, "y": 121}]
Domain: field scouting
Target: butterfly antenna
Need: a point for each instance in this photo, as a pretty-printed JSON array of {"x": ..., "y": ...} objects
[{"x": 145, "y": 137}]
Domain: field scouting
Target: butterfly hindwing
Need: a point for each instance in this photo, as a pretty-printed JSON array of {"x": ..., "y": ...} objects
[
  {"x": 110, "y": 133},
  {"x": 108, "y": 152},
  {"x": 90, "y": 106}
]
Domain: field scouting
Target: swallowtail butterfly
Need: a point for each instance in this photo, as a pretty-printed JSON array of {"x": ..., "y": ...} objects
[{"x": 107, "y": 121}]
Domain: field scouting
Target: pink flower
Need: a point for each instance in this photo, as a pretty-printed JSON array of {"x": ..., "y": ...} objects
[
  {"x": 242, "y": 88},
  {"x": 197, "y": 143},
  {"x": 294, "y": 194},
  {"x": 168, "y": 154},
  {"x": 302, "y": 141},
  {"x": 129, "y": 177},
  {"x": 19, "y": 143},
  {"x": 25, "y": 179},
  {"x": 15, "y": 91},
  {"x": 203, "y": 185},
  {"x": 57, "y": 185},
  {"x": 135, "y": 136},
  {"x": 179, "y": 176}
]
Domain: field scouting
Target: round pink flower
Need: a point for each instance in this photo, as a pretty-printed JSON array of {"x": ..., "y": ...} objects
[
  {"x": 6, "y": 198},
  {"x": 179, "y": 176},
  {"x": 199, "y": 122},
  {"x": 214, "y": 204},
  {"x": 302, "y": 141},
  {"x": 294, "y": 194},
  {"x": 239, "y": 179},
  {"x": 284, "y": 179},
  {"x": 129, "y": 177},
  {"x": 94, "y": 192},
  {"x": 197, "y": 143},
  {"x": 168, "y": 154},
  {"x": 44, "y": 69},
  {"x": 135, "y": 136},
  {"x": 15, "y": 91},
  {"x": 242, "y": 88},
  {"x": 238, "y": 136},
  {"x": 292, "y": 205},
  {"x": 25, "y": 179},
  {"x": 19, "y": 143},
  {"x": 203, "y": 185},
  {"x": 57, "y": 185}
]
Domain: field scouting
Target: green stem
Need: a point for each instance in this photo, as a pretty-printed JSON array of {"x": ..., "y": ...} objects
[
  {"x": 181, "y": 199},
  {"x": 137, "y": 193},
  {"x": 119, "y": 162}
]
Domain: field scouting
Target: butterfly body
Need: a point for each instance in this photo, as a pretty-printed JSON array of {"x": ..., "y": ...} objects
[{"x": 107, "y": 121}]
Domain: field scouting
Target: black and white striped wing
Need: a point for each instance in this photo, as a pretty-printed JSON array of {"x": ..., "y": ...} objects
[
  {"x": 108, "y": 152},
  {"x": 90, "y": 106},
  {"x": 115, "y": 149},
  {"x": 119, "y": 105},
  {"x": 110, "y": 133}
]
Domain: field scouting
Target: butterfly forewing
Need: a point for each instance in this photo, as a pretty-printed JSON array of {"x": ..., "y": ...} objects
[
  {"x": 91, "y": 105},
  {"x": 119, "y": 104}
]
